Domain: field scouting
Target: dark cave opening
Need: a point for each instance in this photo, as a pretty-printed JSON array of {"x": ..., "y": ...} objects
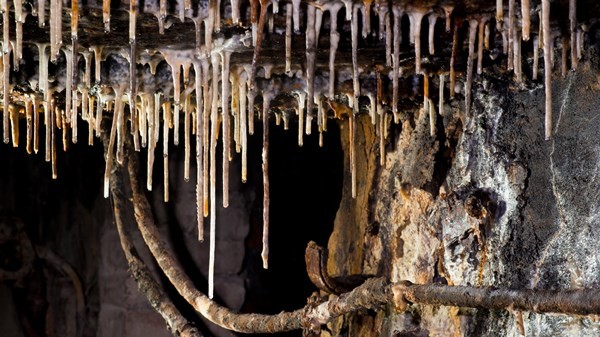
[
  {"x": 306, "y": 189},
  {"x": 67, "y": 215}
]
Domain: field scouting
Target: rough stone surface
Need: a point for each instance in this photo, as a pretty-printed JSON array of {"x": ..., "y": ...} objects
[{"x": 511, "y": 209}]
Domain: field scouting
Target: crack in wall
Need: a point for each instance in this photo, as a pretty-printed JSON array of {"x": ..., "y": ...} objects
[{"x": 555, "y": 190}]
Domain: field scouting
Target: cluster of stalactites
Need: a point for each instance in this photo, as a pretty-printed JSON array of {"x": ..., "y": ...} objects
[{"x": 216, "y": 100}]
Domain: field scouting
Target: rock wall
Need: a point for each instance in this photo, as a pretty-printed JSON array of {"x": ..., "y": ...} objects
[{"x": 486, "y": 202}]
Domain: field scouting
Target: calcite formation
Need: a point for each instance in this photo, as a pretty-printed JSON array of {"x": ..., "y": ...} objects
[{"x": 209, "y": 69}]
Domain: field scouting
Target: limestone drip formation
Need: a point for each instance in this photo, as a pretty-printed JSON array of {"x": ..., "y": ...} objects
[{"x": 170, "y": 71}]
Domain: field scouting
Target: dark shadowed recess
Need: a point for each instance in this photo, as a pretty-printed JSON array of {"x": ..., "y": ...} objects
[
  {"x": 63, "y": 215},
  {"x": 66, "y": 214},
  {"x": 306, "y": 187}
]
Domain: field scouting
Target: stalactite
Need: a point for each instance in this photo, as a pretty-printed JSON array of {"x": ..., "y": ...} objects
[
  {"x": 381, "y": 116},
  {"x": 74, "y": 115},
  {"x": 396, "y": 59},
  {"x": 99, "y": 115},
  {"x": 547, "y": 66},
  {"x": 48, "y": 124},
  {"x": 321, "y": 120},
  {"x": 574, "y": 35},
  {"x": 162, "y": 14},
  {"x": 134, "y": 121},
  {"x": 41, "y": 11},
  {"x": 64, "y": 128},
  {"x": 225, "y": 56},
  {"x": 244, "y": 125},
  {"x": 153, "y": 129},
  {"x": 209, "y": 26},
  {"x": 235, "y": 12},
  {"x": 432, "y": 18},
  {"x": 88, "y": 103},
  {"x": 525, "y": 19},
  {"x": 448, "y": 9},
  {"x": 175, "y": 65},
  {"x": 56, "y": 28},
  {"x": 143, "y": 116},
  {"x": 106, "y": 15},
  {"x": 510, "y": 33},
  {"x": 109, "y": 154},
  {"x": 540, "y": 30},
  {"x": 36, "y": 124},
  {"x": 199, "y": 150},
  {"x": 310, "y": 65},
  {"x": 206, "y": 115},
  {"x": 416, "y": 17},
  {"x": 355, "y": 72},
  {"x": 296, "y": 15},
  {"x": 264, "y": 5},
  {"x": 75, "y": 19},
  {"x": 499, "y": 11},
  {"x": 167, "y": 119},
  {"x": 133, "y": 62},
  {"x": 504, "y": 41},
  {"x": 480, "y": 40},
  {"x": 372, "y": 107},
  {"x": 486, "y": 36},
  {"x": 318, "y": 24},
  {"x": 265, "y": 168},
  {"x": 13, "y": 111},
  {"x": 580, "y": 33},
  {"x": 384, "y": 31},
  {"x": 517, "y": 56},
  {"x": 69, "y": 83},
  {"x": 87, "y": 75},
  {"x": 53, "y": 141},
  {"x": 301, "y": 104},
  {"x": 334, "y": 38},
  {"x": 97, "y": 59},
  {"x": 469, "y": 81},
  {"x": 217, "y": 16},
  {"x": 19, "y": 20},
  {"x": 453, "y": 60},
  {"x": 366, "y": 17},
  {"x": 432, "y": 118},
  {"x": 186, "y": 136},
  {"x": 355, "y": 95},
  {"x": 288, "y": 37},
  {"x": 119, "y": 114},
  {"x": 235, "y": 108}
]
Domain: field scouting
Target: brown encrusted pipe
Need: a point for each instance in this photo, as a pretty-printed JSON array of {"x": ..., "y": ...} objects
[
  {"x": 247, "y": 323},
  {"x": 580, "y": 301},
  {"x": 177, "y": 324},
  {"x": 373, "y": 293}
]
